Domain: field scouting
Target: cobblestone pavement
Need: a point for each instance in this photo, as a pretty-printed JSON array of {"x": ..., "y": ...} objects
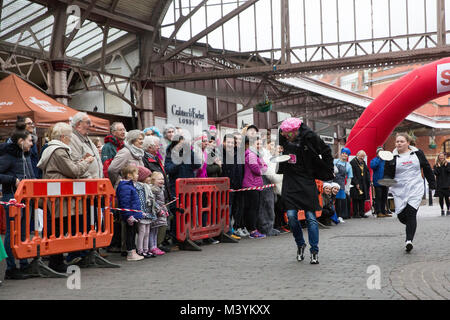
[{"x": 267, "y": 268}]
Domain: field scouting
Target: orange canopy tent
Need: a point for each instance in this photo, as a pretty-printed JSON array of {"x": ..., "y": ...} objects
[{"x": 18, "y": 97}]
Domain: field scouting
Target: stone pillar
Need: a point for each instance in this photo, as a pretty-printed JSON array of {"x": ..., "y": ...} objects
[
  {"x": 146, "y": 116},
  {"x": 58, "y": 82}
]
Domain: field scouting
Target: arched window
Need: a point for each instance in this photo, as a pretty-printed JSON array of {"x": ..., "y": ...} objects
[{"x": 446, "y": 147}]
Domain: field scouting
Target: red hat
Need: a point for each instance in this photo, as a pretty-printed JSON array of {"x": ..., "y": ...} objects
[{"x": 143, "y": 173}]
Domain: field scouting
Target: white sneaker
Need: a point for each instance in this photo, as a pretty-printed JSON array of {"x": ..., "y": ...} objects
[
  {"x": 240, "y": 233},
  {"x": 133, "y": 256},
  {"x": 247, "y": 234},
  {"x": 408, "y": 245},
  {"x": 341, "y": 220}
]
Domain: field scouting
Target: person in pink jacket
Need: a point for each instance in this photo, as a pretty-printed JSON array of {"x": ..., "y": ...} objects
[{"x": 254, "y": 168}]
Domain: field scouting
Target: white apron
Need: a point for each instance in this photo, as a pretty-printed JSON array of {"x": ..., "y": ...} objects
[{"x": 409, "y": 188}]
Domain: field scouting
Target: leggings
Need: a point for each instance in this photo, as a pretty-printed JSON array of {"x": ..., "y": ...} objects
[
  {"x": 408, "y": 217},
  {"x": 143, "y": 235},
  {"x": 252, "y": 199},
  {"x": 153, "y": 238},
  {"x": 441, "y": 202}
]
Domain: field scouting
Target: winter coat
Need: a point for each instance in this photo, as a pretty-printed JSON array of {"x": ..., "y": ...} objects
[
  {"x": 122, "y": 159},
  {"x": 127, "y": 198},
  {"x": 232, "y": 169},
  {"x": 109, "y": 150},
  {"x": 442, "y": 174},
  {"x": 213, "y": 170},
  {"x": 314, "y": 156},
  {"x": 390, "y": 167},
  {"x": 377, "y": 165},
  {"x": 80, "y": 146},
  {"x": 361, "y": 178},
  {"x": 160, "y": 208},
  {"x": 14, "y": 164},
  {"x": 254, "y": 168},
  {"x": 147, "y": 201},
  {"x": 184, "y": 169},
  {"x": 56, "y": 163},
  {"x": 327, "y": 206},
  {"x": 310, "y": 159},
  {"x": 154, "y": 164}
]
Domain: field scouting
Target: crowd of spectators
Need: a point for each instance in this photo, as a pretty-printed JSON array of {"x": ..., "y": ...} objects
[{"x": 143, "y": 167}]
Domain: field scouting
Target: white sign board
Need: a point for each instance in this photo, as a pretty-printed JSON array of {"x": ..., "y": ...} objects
[{"x": 187, "y": 110}]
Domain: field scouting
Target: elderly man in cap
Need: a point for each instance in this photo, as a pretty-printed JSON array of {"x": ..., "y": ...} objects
[
  {"x": 82, "y": 148},
  {"x": 381, "y": 192},
  {"x": 310, "y": 159}
]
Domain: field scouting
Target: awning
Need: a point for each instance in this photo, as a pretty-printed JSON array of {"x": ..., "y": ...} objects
[{"x": 18, "y": 97}]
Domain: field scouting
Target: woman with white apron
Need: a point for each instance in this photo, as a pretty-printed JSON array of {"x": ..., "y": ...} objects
[{"x": 406, "y": 169}]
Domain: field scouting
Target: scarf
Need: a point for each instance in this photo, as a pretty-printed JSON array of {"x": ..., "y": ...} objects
[{"x": 136, "y": 152}]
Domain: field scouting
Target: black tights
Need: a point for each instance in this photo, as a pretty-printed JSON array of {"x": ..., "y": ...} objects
[
  {"x": 447, "y": 202},
  {"x": 408, "y": 217}
]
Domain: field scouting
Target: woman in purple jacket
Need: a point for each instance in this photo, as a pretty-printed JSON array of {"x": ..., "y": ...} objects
[{"x": 253, "y": 171}]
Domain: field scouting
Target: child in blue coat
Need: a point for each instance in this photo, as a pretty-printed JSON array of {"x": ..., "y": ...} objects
[{"x": 128, "y": 198}]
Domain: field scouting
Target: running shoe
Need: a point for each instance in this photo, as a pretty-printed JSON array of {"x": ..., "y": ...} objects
[
  {"x": 314, "y": 258},
  {"x": 409, "y": 246},
  {"x": 240, "y": 233},
  {"x": 246, "y": 232},
  {"x": 301, "y": 253},
  {"x": 256, "y": 235}
]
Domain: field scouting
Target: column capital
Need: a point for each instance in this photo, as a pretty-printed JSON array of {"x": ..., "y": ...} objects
[
  {"x": 147, "y": 84},
  {"x": 60, "y": 65}
]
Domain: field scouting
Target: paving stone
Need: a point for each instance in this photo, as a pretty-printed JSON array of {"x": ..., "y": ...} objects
[{"x": 267, "y": 269}]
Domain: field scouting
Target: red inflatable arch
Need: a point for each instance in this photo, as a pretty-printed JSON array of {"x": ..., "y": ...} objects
[{"x": 395, "y": 103}]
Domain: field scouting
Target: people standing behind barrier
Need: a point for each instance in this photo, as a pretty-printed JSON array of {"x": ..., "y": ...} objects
[
  {"x": 147, "y": 202},
  {"x": 310, "y": 159},
  {"x": 234, "y": 170},
  {"x": 81, "y": 146},
  {"x": 153, "y": 162},
  {"x": 406, "y": 168},
  {"x": 181, "y": 162},
  {"x": 27, "y": 124},
  {"x": 359, "y": 192},
  {"x": 266, "y": 216},
  {"x": 200, "y": 144},
  {"x": 127, "y": 198},
  {"x": 157, "y": 186},
  {"x": 15, "y": 165},
  {"x": 168, "y": 135},
  {"x": 57, "y": 163},
  {"x": 131, "y": 153},
  {"x": 113, "y": 144},
  {"x": 381, "y": 192},
  {"x": 442, "y": 172},
  {"x": 254, "y": 168},
  {"x": 343, "y": 175}
]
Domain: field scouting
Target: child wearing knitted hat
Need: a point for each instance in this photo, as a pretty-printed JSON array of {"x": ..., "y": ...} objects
[{"x": 147, "y": 201}]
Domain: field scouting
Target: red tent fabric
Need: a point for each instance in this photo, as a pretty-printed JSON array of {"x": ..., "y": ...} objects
[{"x": 17, "y": 97}]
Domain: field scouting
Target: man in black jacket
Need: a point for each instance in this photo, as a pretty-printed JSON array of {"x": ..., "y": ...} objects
[{"x": 310, "y": 159}]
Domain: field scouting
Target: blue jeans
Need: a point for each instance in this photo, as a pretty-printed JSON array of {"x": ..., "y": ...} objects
[
  {"x": 313, "y": 229},
  {"x": 10, "y": 261}
]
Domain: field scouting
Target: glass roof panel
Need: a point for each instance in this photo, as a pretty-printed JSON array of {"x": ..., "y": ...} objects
[{"x": 16, "y": 13}]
